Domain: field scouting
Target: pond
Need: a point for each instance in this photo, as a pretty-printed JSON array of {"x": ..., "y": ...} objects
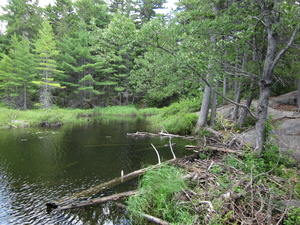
[{"x": 39, "y": 165}]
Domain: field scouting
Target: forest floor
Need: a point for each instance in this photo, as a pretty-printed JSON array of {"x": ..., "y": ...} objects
[
  {"x": 238, "y": 188},
  {"x": 229, "y": 188}
]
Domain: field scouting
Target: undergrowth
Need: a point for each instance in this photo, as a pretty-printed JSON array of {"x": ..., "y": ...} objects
[
  {"x": 157, "y": 191},
  {"x": 58, "y": 116},
  {"x": 226, "y": 189},
  {"x": 179, "y": 117}
]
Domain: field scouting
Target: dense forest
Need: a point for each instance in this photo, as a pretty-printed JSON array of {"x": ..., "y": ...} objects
[{"x": 87, "y": 53}]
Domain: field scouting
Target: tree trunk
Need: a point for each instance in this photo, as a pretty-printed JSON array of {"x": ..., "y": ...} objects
[
  {"x": 236, "y": 108},
  {"x": 202, "y": 120},
  {"x": 244, "y": 111},
  {"x": 224, "y": 89},
  {"x": 214, "y": 105},
  {"x": 270, "y": 19},
  {"x": 298, "y": 95},
  {"x": 265, "y": 82}
]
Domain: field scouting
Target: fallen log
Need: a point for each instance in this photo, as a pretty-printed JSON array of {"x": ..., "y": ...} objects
[
  {"x": 100, "y": 187},
  {"x": 94, "y": 201},
  {"x": 215, "y": 148},
  {"x": 141, "y": 134},
  {"x": 146, "y": 216}
]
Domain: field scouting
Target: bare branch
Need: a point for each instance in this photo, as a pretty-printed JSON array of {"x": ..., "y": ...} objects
[{"x": 289, "y": 44}]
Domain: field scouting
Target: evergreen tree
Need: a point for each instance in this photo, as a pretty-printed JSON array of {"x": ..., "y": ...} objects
[
  {"x": 62, "y": 17},
  {"x": 80, "y": 68},
  {"x": 17, "y": 73},
  {"x": 115, "y": 48},
  {"x": 23, "y": 18},
  {"x": 93, "y": 12},
  {"x": 46, "y": 53}
]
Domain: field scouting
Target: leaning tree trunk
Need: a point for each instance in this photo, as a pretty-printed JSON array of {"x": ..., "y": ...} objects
[
  {"x": 265, "y": 84},
  {"x": 202, "y": 120},
  {"x": 214, "y": 105},
  {"x": 244, "y": 111},
  {"x": 298, "y": 96},
  {"x": 236, "y": 108},
  {"x": 271, "y": 60}
]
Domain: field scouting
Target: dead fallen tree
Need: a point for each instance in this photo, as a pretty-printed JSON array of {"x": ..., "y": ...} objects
[
  {"x": 161, "y": 134},
  {"x": 94, "y": 201},
  {"x": 214, "y": 148},
  {"x": 96, "y": 189}
]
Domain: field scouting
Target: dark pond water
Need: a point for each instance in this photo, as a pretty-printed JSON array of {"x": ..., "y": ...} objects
[{"x": 39, "y": 165}]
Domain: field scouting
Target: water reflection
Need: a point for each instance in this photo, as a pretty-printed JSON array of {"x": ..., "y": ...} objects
[{"x": 43, "y": 165}]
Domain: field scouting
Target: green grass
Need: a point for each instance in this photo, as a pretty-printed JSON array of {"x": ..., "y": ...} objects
[
  {"x": 11, "y": 118},
  {"x": 157, "y": 197},
  {"x": 126, "y": 111},
  {"x": 178, "y": 118}
]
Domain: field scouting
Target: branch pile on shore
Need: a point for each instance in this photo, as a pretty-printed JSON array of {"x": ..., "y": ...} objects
[{"x": 225, "y": 186}]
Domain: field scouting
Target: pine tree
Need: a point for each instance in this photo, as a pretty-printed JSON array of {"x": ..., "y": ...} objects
[
  {"x": 45, "y": 49},
  {"x": 115, "y": 47},
  {"x": 23, "y": 18},
  {"x": 80, "y": 68},
  {"x": 17, "y": 73}
]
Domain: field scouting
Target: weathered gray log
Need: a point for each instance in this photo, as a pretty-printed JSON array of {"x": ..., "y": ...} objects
[
  {"x": 215, "y": 148},
  {"x": 100, "y": 187},
  {"x": 95, "y": 201},
  {"x": 146, "y": 216}
]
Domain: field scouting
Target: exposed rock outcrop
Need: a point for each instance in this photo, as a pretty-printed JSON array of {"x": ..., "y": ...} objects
[{"x": 286, "y": 122}]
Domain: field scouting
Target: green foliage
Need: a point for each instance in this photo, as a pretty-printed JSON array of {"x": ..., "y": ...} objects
[
  {"x": 182, "y": 123},
  {"x": 271, "y": 159},
  {"x": 293, "y": 217},
  {"x": 23, "y": 18},
  {"x": 178, "y": 117},
  {"x": 157, "y": 189},
  {"x": 183, "y": 106}
]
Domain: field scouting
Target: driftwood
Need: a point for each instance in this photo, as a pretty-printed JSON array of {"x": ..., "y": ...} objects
[
  {"x": 94, "y": 201},
  {"x": 150, "y": 218},
  {"x": 141, "y": 134},
  {"x": 100, "y": 187},
  {"x": 161, "y": 134},
  {"x": 214, "y": 148}
]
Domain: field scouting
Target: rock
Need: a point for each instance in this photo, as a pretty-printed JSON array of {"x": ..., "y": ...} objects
[
  {"x": 287, "y": 137},
  {"x": 285, "y": 99},
  {"x": 287, "y": 125}
]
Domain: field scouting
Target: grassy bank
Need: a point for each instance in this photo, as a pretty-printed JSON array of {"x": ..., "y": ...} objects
[
  {"x": 178, "y": 118},
  {"x": 10, "y": 118}
]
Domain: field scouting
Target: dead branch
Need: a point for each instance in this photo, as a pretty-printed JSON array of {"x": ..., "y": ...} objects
[
  {"x": 158, "y": 157},
  {"x": 170, "y": 143},
  {"x": 95, "y": 201},
  {"x": 100, "y": 187},
  {"x": 214, "y": 148}
]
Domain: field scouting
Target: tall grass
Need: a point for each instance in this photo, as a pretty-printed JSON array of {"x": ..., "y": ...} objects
[
  {"x": 36, "y": 117},
  {"x": 157, "y": 197},
  {"x": 179, "y": 117},
  {"x": 126, "y": 111},
  {"x": 16, "y": 118}
]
